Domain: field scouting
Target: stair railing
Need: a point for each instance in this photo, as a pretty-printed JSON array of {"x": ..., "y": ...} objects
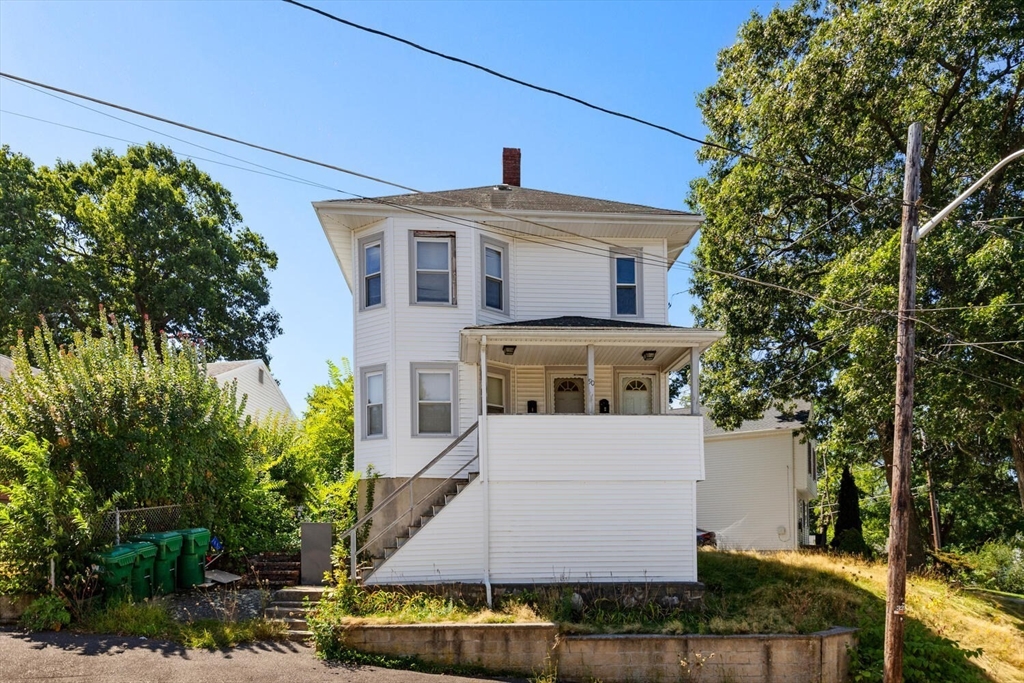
[{"x": 408, "y": 484}]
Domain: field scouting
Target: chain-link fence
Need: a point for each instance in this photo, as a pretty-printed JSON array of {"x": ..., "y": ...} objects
[{"x": 118, "y": 525}]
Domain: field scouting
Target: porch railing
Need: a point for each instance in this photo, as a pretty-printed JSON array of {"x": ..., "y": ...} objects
[{"x": 352, "y": 532}]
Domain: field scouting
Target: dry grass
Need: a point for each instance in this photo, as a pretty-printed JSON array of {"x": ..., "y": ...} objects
[{"x": 974, "y": 619}]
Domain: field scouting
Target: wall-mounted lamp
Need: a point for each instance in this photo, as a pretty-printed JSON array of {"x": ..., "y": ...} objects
[
  {"x": 508, "y": 349},
  {"x": 649, "y": 354}
]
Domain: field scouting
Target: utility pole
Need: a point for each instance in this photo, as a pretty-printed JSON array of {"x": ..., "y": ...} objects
[{"x": 899, "y": 513}]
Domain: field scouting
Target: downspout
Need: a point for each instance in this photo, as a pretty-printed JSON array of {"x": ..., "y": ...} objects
[
  {"x": 484, "y": 473},
  {"x": 591, "y": 382}
]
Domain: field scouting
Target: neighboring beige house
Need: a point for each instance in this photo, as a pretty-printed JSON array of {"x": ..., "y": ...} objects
[
  {"x": 255, "y": 382},
  {"x": 522, "y": 335},
  {"x": 758, "y": 483}
]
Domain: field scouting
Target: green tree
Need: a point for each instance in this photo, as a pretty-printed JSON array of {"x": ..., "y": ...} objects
[
  {"x": 144, "y": 234},
  {"x": 328, "y": 424},
  {"x": 849, "y": 533},
  {"x": 829, "y": 90}
]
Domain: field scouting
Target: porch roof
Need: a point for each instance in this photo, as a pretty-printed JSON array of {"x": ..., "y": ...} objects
[{"x": 564, "y": 341}]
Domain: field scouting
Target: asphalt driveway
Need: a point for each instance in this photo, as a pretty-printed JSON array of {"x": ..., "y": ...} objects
[{"x": 113, "y": 659}]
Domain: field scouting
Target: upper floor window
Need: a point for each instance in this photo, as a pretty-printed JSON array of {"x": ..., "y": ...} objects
[
  {"x": 494, "y": 273},
  {"x": 373, "y": 401},
  {"x": 433, "y": 264},
  {"x": 371, "y": 271},
  {"x": 627, "y": 298}
]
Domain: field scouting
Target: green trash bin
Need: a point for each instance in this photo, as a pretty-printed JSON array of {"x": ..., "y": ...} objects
[
  {"x": 142, "y": 572},
  {"x": 165, "y": 568},
  {"x": 192, "y": 561},
  {"x": 115, "y": 569}
]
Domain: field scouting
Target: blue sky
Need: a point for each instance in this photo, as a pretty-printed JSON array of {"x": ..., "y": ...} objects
[{"x": 285, "y": 78}]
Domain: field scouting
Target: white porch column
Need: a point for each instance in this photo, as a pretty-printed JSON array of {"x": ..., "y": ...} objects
[
  {"x": 590, "y": 379},
  {"x": 481, "y": 439},
  {"x": 695, "y": 380}
]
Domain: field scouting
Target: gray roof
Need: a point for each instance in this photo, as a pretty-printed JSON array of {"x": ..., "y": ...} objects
[
  {"x": 7, "y": 367},
  {"x": 572, "y": 321},
  {"x": 512, "y": 198},
  {"x": 222, "y": 366},
  {"x": 770, "y": 421}
]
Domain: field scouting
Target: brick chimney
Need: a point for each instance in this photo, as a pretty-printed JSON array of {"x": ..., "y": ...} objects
[{"x": 510, "y": 158}]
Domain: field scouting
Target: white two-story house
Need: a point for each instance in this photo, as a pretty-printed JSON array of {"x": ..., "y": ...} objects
[{"x": 521, "y": 336}]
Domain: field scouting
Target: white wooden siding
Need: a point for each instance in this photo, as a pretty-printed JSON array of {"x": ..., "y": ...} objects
[
  {"x": 595, "y": 448},
  {"x": 448, "y": 549},
  {"x": 551, "y": 281},
  {"x": 260, "y": 399},
  {"x": 554, "y": 531},
  {"x": 748, "y": 492}
]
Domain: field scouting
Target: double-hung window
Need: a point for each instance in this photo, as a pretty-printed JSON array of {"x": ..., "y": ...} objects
[
  {"x": 434, "y": 405},
  {"x": 371, "y": 271},
  {"x": 373, "y": 402},
  {"x": 494, "y": 273},
  {"x": 498, "y": 391},
  {"x": 433, "y": 264},
  {"x": 626, "y": 283}
]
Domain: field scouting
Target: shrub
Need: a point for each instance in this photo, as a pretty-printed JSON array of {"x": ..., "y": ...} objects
[
  {"x": 47, "y": 613},
  {"x": 149, "y": 427},
  {"x": 49, "y": 515},
  {"x": 999, "y": 565},
  {"x": 926, "y": 658}
]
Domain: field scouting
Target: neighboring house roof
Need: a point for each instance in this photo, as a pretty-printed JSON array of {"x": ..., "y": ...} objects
[
  {"x": 222, "y": 366},
  {"x": 515, "y": 199},
  {"x": 7, "y": 367},
  {"x": 772, "y": 420},
  {"x": 255, "y": 382}
]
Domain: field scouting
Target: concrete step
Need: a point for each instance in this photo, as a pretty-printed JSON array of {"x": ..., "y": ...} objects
[
  {"x": 401, "y": 540},
  {"x": 292, "y": 624},
  {"x": 300, "y": 636},
  {"x": 275, "y": 612},
  {"x": 298, "y": 594}
]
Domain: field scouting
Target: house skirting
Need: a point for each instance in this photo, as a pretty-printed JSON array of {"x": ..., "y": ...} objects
[{"x": 535, "y": 649}]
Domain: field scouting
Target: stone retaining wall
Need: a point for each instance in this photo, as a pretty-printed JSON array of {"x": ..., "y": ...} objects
[{"x": 538, "y": 648}]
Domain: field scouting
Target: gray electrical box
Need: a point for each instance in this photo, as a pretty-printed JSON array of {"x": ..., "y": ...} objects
[{"x": 316, "y": 553}]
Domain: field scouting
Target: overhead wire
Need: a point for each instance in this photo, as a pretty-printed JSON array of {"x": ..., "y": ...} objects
[
  {"x": 845, "y": 306},
  {"x": 846, "y": 187}
]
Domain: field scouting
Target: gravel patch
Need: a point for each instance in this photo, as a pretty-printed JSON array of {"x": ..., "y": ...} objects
[{"x": 223, "y": 604}]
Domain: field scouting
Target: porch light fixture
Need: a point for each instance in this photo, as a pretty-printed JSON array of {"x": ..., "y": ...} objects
[
  {"x": 508, "y": 349},
  {"x": 649, "y": 354}
]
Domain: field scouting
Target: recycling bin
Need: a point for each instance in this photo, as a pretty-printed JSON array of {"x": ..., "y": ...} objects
[
  {"x": 192, "y": 561},
  {"x": 165, "y": 568},
  {"x": 115, "y": 570},
  {"x": 142, "y": 572}
]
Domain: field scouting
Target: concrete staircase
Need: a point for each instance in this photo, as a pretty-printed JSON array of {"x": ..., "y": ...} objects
[
  {"x": 290, "y": 607},
  {"x": 454, "y": 488}
]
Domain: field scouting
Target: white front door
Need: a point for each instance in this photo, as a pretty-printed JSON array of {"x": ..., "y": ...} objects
[
  {"x": 636, "y": 395},
  {"x": 568, "y": 395}
]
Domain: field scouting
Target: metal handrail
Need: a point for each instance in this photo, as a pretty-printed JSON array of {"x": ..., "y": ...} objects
[
  {"x": 351, "y": 531},
  {"x": 432, "y": 493}
]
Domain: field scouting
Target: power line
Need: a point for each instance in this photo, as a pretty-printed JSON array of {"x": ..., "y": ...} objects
[
  {"x": 557, "y": 93},
  {"x": 641, "y": 258}
]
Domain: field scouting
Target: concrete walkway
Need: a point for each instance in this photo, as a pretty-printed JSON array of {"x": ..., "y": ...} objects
[{"x": 114, "y": 659}]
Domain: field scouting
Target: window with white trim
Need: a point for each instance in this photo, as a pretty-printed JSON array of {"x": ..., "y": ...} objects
[
  {"x": 498, "y": 380},
  {"x": 433, "y": 266},
  {"x": 434, "y": 394},
  {"x": 371, "y": 271},
  {"x": 494, "y": 271},
  {"x": 373, "y": 402},
  {"x": 626, "y": 283}
]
